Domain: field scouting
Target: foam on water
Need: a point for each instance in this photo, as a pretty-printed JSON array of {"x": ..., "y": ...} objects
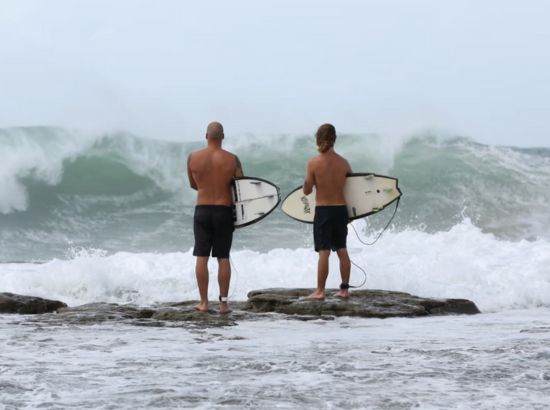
[
  {"x": 110, "y": 217},
  {"x": 463, "y": 362},
  {"x": 461, "y": 263}
]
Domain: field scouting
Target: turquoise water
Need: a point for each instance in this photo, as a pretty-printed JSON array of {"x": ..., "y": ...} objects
[{"x": 62, "y": 191}]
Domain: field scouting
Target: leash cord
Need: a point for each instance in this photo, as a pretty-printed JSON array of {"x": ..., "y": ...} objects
[
  {"x": 382, "y": 231},
  {"x": 364, "y": 274},
  {"x": 370, "y": 244}
]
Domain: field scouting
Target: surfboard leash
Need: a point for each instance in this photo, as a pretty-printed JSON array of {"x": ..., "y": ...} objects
[
  {"x": 364, "y": 274},
  {"x": 382, "y": 231},
  {"x": 371, "y": 243}
]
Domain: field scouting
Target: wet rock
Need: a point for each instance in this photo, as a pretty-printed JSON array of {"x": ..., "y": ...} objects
[
  {"x": 362, "y": 303},
  {"x": 166, "y": 314},
  {"x": 203, "y": 319},
  {"x": 27, "y": 305},
  {"x": 102, "y": 312},
  {"x": 263, "y": 304}
]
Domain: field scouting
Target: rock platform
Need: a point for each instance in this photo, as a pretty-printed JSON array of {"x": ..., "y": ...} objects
[{"x": 261, "y": 304}]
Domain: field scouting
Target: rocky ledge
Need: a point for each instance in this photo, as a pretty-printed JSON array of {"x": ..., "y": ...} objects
[
  {"x": 362, "y": 303},
  {"x": 27, "y": 305},
  {"x": 285, "y": 303}
]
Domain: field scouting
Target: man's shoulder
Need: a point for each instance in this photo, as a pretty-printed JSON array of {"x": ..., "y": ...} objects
[
  {"x": 315, "y": 160},
  {"x": 199, "y": 151},
  {"x": 195, "y": 154},
  {"x": 227, "y": 155},
  {"x": 340, "y": 157}
]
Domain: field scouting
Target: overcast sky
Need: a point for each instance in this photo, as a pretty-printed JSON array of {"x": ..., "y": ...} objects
[{"x": 165, "y": 68}]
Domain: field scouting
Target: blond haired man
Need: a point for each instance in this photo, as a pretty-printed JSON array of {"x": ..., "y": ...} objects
[{"x": 328, "y": 172}]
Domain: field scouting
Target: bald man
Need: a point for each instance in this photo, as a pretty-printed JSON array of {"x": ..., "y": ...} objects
[{"x": 211, "y": 171}]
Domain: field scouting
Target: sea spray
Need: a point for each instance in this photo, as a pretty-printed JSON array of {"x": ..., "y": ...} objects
[{"x": 463, "y": 262}]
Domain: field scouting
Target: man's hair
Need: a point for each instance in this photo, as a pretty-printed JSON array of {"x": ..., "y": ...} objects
[
  {"x": 326, "y": 136},
  {"x": 214, "y": 131}
]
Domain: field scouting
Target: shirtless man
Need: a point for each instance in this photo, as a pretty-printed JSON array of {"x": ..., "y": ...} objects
[
  {"x": 327, "y": 172},
  {"x": 210, "y": 172}
]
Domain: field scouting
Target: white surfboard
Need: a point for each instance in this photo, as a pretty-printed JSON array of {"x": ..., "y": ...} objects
[
  {"x": 365, "y": 195},
  {"x": 254, "y": 199}
]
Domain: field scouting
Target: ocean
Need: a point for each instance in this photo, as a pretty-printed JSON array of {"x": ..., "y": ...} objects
[{"x": 108, "y": 218}]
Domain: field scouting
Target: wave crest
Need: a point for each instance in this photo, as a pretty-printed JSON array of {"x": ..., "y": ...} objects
[{"x": 116, "y": 191}]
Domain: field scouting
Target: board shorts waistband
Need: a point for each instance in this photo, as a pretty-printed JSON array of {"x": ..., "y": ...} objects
[
  {"x": 206, "y": 206},
  {"x": 331, "y": 206}
]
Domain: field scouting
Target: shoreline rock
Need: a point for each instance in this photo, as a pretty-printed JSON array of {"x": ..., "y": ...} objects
[
  {"x": 362, "y": 303},
  {"x": 27, "y": 305},
  {"x": 261, "y": 304}
]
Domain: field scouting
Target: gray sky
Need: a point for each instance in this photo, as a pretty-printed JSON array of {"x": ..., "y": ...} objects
[{"x": 164, "y": 69}]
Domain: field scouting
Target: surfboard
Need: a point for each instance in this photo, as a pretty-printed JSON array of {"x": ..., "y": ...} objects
[
  {"x": 365, "y": 194},
  {"x": 254, "y": 199}
]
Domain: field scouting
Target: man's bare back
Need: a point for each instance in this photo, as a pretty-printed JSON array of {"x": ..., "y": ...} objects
[
  {"x": 327, "y": 172},
  {"x": 210, "y": 173}
]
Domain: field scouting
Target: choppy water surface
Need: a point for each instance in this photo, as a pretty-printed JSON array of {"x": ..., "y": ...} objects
[
  {"x": 462, "y": 362},
  {"x": 109, "y": 219}
]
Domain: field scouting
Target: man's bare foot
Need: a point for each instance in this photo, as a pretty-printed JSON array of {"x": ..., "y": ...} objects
[
  {"x": 342, "y": 294},
  {"x": 201, "y": 307},
  {"x": 224, "y": 308},
  {"x": 317, "y": 295}
]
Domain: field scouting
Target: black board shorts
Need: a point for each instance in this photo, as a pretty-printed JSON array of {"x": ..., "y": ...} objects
[
  {"x": 213, "y": 229},
  {"x": 330, "y": 227}
]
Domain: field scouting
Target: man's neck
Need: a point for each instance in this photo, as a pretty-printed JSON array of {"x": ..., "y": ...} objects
[
  {"x": 215, "y": 144},
  {"x": 328, "y": 151}
]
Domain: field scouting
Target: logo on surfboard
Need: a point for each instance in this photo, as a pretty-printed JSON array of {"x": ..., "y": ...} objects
[{"x": 307, "y": 208}]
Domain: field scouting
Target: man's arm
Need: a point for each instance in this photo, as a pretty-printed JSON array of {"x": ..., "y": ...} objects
[
  {"x": 310, "y": 180},
  {"x": 239, "y": 169},
  {"x": 192, "y": 182}
]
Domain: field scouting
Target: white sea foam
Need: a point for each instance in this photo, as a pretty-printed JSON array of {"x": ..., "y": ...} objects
[
  {"x": 461, "y": 263},
  {"x": 490, "y": 361}
]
